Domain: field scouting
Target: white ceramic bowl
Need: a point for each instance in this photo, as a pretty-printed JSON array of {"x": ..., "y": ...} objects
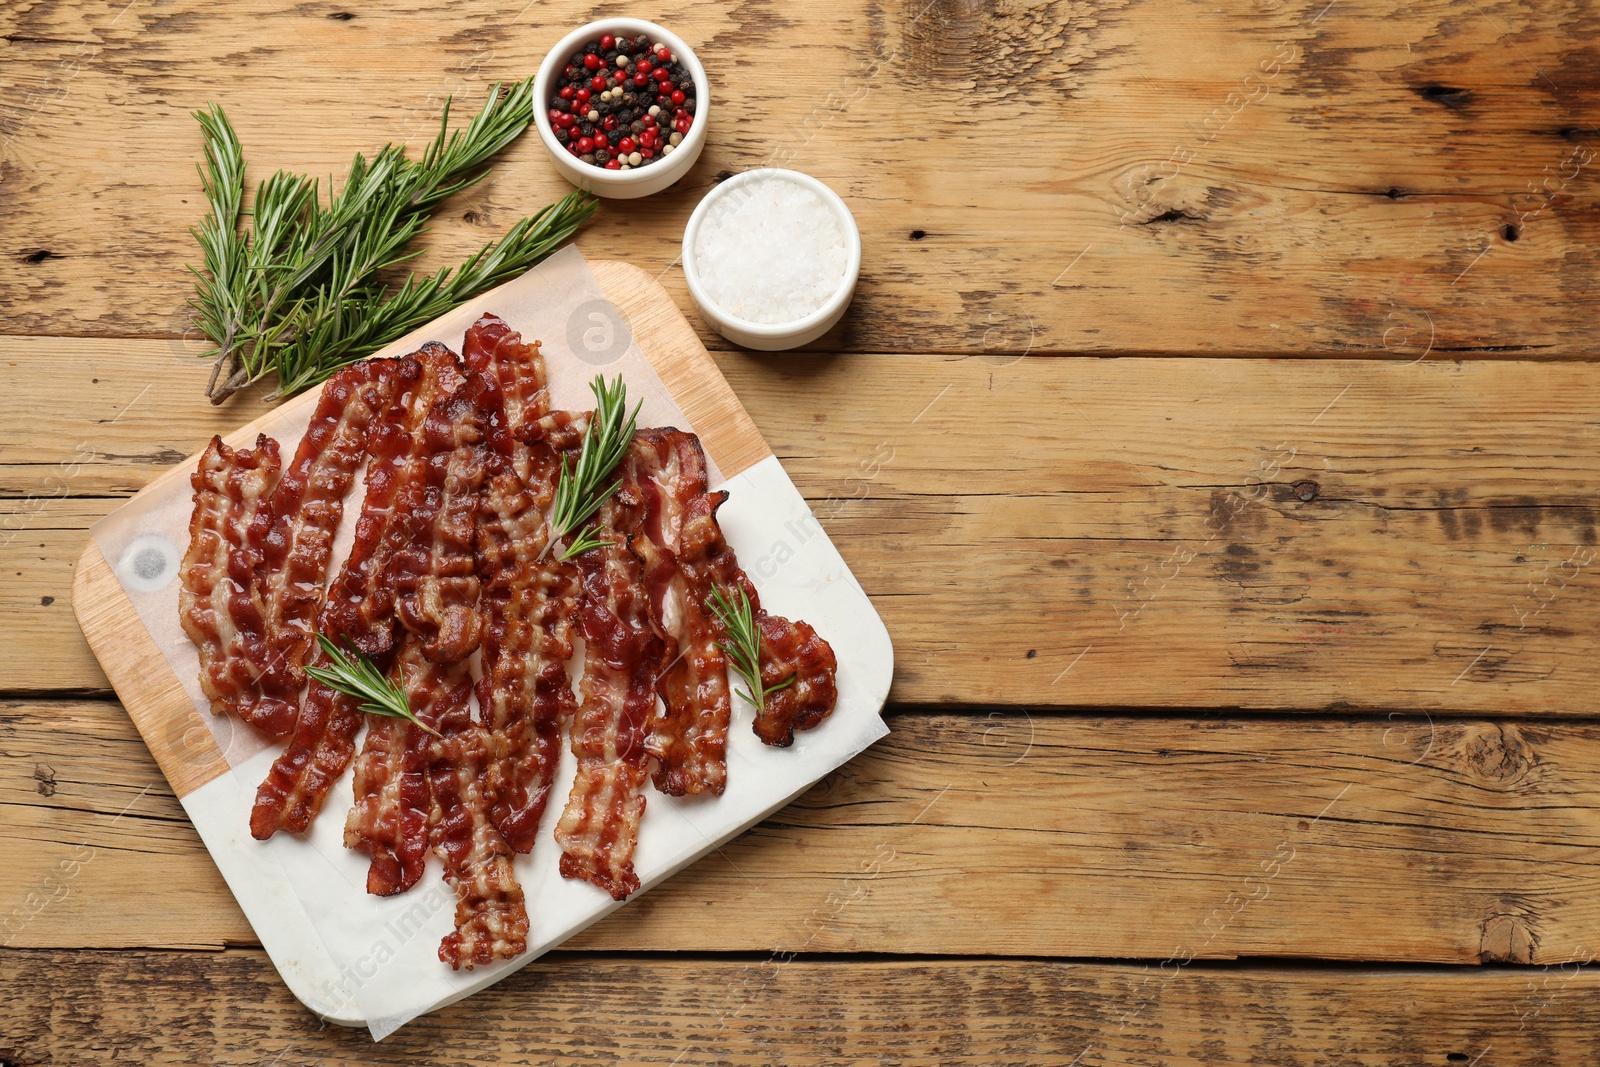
[
  {"x": 640, "y": 181},
  {"x": 765, "y": 336}
]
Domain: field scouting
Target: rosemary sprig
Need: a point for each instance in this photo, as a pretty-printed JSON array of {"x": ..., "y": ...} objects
[
  {"x": 300, "y": 295},
  {"x": 582, "y": 488},
  {"x": 745, "y": 650},
  {"x": 355, "y": 675}
]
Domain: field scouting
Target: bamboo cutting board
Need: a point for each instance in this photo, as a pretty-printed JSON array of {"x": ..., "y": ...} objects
[{"x": 357, "y": 959}]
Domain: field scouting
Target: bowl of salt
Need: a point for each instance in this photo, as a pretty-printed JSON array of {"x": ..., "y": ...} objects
[{"x": 772, "y": 257}]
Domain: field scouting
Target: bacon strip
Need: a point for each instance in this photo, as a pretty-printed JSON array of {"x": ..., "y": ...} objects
[
  {"x": 216, "y": 604},
  {"x": 599, "y": 828},
  {"x": 527, "y": 603},
  {"x": 688, "y": 734},
  {"x": 296, "y": 532},
  {"x": 324, "y": 741},
  {"x": 788, "y": 650},
  {"x": 394, "y": 802},
  {"x": 793, "y": 650},
  {"x": 298, "y": 782},
  {"x": 491, "y": 920},
  {"x": 433, "y": 573},
  {"x": 528, "y": 597},
  {"x": 360, "y": 602},
  {"x": 515, "y": 371},
  {"x": 391, "y": 815}
]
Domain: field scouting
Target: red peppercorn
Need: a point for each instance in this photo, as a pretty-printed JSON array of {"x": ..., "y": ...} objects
[
  {"x": 607, "y": 42},
  {"x": 641, "y": 80},
  {"x": 681, "y": 124},
  {"x": 567, "y": 92},
  {"x": 591, "y": 62},
  {"x": 678, "y": 112},
  {"x": 647, "y": 153},
  {"x": 573, "y": 148},
  {"x": 585, "y": 144},
  {"x": 661, "y": 74},
  {"x": 647, "y": 139},
  {"x": 626, "y": 145},
  {"x": 643, "y": 65},
  {"x": 609, "y": 122},
  {"x": 570, "y": 73},
  {"x": 599, "y": 83},
  {"x": 649, "y": 120},
  {"x": 582, "y": 96},
  {"x": 612, "y": 164},
  {"x": 678, "y": 97}
]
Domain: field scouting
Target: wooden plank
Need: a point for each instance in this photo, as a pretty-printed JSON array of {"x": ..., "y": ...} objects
[
  {"x": 1142, "y": 838},
  {"x": 1275, "y": 177},
  {"x": 185, "y": 1008},
  {"x": 1391, "y": 536},
  {"x": 39, "y": 544}
]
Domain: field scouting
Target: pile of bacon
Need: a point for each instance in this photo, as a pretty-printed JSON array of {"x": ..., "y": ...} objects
[{"x": 453, "y": 554}]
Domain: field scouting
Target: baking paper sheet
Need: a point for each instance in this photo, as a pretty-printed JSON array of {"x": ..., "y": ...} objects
[{"x": 359, "y": 958}]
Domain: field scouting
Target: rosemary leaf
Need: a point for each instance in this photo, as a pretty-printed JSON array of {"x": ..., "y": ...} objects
[
  {"x": 585, "y": 485},
  {"x": 300, "y": 294},
  {"x": 355, "y": 675},
  {"x": 744, "y": 647}
]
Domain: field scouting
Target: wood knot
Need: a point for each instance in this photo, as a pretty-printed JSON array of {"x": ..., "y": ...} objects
[
  {"x": 1452, "y": 98},
  {"x": 1496, "y": 754},
  {"x": 1306, "y": 490},
  {"x": 45, "y": 776},
  {"x": 1508, "y": 935}
]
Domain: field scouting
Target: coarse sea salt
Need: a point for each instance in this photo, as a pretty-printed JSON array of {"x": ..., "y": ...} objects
[{"x": 770, "y": 251}]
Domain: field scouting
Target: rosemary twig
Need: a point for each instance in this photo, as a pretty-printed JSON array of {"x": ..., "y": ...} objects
[
  {"x": 744, "y": 646},
  {"x": 584, "y": 487},
  {"x": 300, "y": 294},
  {"x": 355, "y": 675}
]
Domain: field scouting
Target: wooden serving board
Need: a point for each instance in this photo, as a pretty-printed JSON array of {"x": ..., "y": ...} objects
[{"x": 357, "y": 959}]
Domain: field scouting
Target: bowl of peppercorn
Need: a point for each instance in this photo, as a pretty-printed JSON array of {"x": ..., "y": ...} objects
[{"x": 622, "y": 107}]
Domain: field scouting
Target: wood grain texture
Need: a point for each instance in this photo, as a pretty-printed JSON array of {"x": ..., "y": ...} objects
[
  {"x": 165, "y": 715},
  {"x": 1202, "y": 533},
  {"x": 1056, "y": 177},
  {"x": 573, "y": 1008},
  {"x": 1397, "y": 839}
]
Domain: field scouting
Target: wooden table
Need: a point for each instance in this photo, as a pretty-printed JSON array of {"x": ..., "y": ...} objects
[{"x": 1214, "y": 429}]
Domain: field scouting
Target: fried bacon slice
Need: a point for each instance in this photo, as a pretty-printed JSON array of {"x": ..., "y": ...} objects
[
  {"x": 394, "y": 803},
  {"x": 491, "y": 921},
  {"x": 299, "y": 780},
  {"x": 528, "y": 596},
  {"x": 527, "y": 603},
  {"x": 788, "y": 650},
  {"x": 433, "y": 572},
  {"x": 515, "y": 372},
  {"x": 217, "y": 605},
  {"x": 296, "y": 532},
  {"x": 623, "y": 653},
  {"x": 688, "y": 733},
  {"x": 360, "y": 602},
  {"x": 324, "y": 740},
  {"x": 794, "y": 650}
]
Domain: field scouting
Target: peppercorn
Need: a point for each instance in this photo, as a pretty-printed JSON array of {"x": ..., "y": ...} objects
[{"x": 622, "y": 102}]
